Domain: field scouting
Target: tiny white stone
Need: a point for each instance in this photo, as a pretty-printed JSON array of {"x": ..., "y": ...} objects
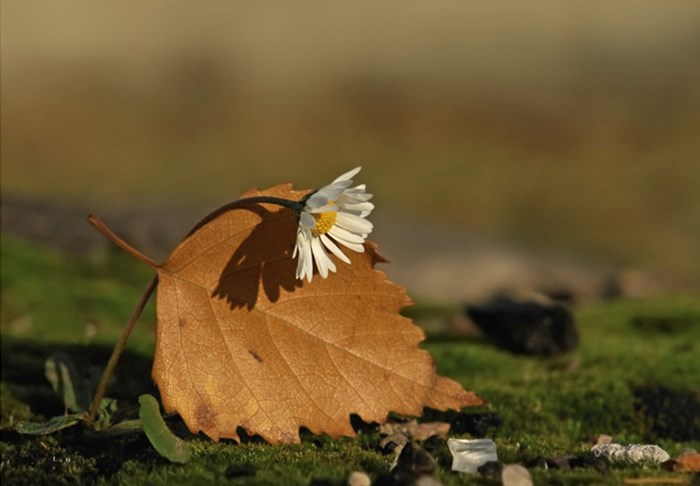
[
  {"x": 516, "y": 475},
  {"x": 632, "y": 453},
  {"x": 468, "y": 455},
  {"x": 427, "y": 480},
  {"x": 358, "y": 478}
]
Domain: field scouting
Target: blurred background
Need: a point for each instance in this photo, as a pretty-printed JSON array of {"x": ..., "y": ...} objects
[{"x": 538, "y": 141}]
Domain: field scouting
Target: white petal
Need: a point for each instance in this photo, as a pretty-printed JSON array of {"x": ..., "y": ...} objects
[
  {"x": 352, "y": 199},
  {"x": 350, "y": 229},
  {"x": 356, "y": 247},
  {"x": 323, "y": 262},
  {"x": 296, "y": 250},
  {"x": 331, "y": 192},
  {"x": 361, "y": 208},
  {"x": 316, "y": 200},
  {"x": 343, "y": 235},
  {"x": 306, "y": 221},
  {"x": 305, "y": 262},
  {"x": 357, "y": 188},
  {"x": 353, "y": 223},
  {"x": 324, "y": 209},
  {"x": 328, "y": 243},
  {"x": 348, "y": 175},
  {"x": 358, "y": 192}
]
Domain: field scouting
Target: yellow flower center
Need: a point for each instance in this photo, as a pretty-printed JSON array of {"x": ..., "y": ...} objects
[{"x": 324, "y": 222}]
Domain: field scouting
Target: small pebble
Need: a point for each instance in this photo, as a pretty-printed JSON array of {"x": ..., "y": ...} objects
[
  {"x": 515, "y": 475},
  {"x": 358, "y": 478},
  {"x": 632, "y": 453},
  {"x": 491, "y": 470},
  {"x": 603, "y": 439},
  {"x": 533, "y": 326},
  {"x": 426, "y": 480},
  {"x": 562, "y": 462},
  {"x": 416, "y": 460},
  {"x": 433, "y": 442},
  {"x": 392, "y": 443}
]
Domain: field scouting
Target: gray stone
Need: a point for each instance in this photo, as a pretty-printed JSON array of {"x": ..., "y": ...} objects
[{"x": 632, "y": 453}]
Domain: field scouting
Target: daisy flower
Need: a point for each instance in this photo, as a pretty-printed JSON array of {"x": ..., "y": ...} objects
[{"x": 334, "y": 214}]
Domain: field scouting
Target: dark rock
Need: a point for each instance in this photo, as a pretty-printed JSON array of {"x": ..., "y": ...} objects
[
  {"x": 590, "y": 460},
  {"x": 391, "y": 442},
  {"x": 433, "y": 443},
  {"x": 570, "y": 461},
  {"x": 527, "y": 327},
  {"x": 564, "y": 463},
  {"x": 537, "y": 462},
  {"x": 491, "y": 470},
  {"x": 478, "y": 425},
  {"x": 416, "y": 460},
  {"x": 359, "y": 425}
]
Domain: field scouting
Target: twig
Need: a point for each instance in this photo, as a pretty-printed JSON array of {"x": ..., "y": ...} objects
[
  {"x": 656, "y": 481},
  {"x": 121, "y": 343},
  {"x": 118, "y": 349},
  {"x": 102, "y": 228}
]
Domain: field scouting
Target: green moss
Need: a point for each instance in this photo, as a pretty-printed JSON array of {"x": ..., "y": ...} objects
[
  {"x": 52, "y": 298},
  {"x": 548, "y": 407}
]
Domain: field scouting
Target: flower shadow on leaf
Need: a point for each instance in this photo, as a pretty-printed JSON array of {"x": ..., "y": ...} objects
[{"x": 263, "y": 259}]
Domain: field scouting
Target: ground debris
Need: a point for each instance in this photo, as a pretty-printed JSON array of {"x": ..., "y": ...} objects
[
  {"x": 535, "y": 327},
  {"x": 469, "y": 455},
  {"x": 632, "y": 453}
]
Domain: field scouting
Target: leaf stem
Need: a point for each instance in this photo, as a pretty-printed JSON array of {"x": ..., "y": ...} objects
[
  {"x": 287, "y": 203},
  {"x": 107, "y": 232},
  {"x": 118, "y": 349}
]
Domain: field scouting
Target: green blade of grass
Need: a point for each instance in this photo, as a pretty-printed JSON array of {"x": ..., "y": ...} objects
[
  {"x": 49, "y": 427},
  {"x": 65, "y": 380},
  {"x": 163, "y": 440}
]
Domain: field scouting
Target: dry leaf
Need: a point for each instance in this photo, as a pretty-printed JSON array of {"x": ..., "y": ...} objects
[
  {"x": 406, "y": 428},
  {"x": 415, "y": 430},
  {"x": 688, "y": 463},
  {"x": 428, "y": 429},
  {"x": 242, "y": 343}
]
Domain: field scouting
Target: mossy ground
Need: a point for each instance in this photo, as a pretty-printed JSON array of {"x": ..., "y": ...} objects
[{"x": 635, "y": 376}]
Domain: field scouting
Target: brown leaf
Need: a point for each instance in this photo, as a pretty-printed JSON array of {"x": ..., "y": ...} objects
[
  {"x": 428, "y": 429},
  {"x": 241, "y": 342},
  {"x": 415, "y": 430},
  {"x": 688, "y": 463}
]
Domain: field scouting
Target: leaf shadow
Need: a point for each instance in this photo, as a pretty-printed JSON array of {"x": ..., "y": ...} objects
[{"x": 263, "y": 260}]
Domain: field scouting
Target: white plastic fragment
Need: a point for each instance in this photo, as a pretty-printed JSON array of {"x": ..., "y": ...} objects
[
  {"x": 468, "y": 455},
  {"x": 632, "y": 453}
]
